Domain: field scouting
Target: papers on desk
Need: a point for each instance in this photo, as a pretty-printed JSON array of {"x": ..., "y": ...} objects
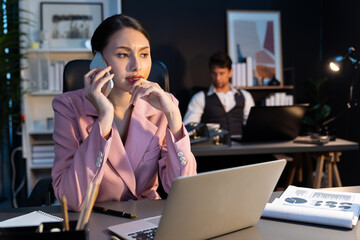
[
  {"x": 31, "y": 219},
  {"x": 313, "y": 139},
  {"x": 340, "y": 209}
]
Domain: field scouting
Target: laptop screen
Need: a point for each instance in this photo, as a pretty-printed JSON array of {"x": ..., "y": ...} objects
[{"x": 274, "y": 123}]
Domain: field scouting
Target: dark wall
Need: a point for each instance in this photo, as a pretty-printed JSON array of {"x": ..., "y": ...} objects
[
  {"x": 340, "y": 32},
  {"x": 185, "y": 33}
]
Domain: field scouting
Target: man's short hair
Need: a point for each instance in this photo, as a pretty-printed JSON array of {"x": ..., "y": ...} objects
[{"x": 220, "y": 59}]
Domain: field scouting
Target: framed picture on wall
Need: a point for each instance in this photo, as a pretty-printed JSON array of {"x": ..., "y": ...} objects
[
  {"x": 68, "y": 24},
  {"x": 254, "y": 42}
]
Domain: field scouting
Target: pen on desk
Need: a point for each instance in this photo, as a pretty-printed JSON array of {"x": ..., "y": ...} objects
[
  {"x": 113, "y": 212},
  {"x": 65, "y": 213}
]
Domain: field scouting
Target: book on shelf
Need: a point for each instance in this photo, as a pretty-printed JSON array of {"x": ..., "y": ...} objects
[
  {"x": 43, "y": 154},
  {"x": 56, "y": 76},
  {"x": 279, "y": 99},
  {"x": 243, "y": 73},
  {"x": 43, "y": 148},
  {"x": 339, "y": 209},
  {"x": 249, "y": 72}
]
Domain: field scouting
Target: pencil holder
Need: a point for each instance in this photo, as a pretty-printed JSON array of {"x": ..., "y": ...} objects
[{"x": 50, "y": 230}]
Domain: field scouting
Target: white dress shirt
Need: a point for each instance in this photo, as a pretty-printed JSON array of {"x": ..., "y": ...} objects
[{"x": 197, "y": 103}]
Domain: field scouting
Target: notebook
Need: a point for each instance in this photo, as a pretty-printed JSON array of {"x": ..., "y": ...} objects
[
  {"x": 211, "y": 204},
  {"x": 34, "y": 218},
  {"x": 273, "y": 123}
]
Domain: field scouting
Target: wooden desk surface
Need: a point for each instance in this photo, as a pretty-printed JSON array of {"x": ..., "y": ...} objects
[
  {"x": 237, "y": 148},
  {"x": 265, "y": 229}
]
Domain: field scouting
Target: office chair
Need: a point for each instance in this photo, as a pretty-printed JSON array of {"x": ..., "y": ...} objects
[
  {"x": 74, "y": 74},
  {"x": 42, "y": 194}
]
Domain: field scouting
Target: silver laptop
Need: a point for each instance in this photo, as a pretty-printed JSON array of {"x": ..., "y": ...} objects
[{"x": 210, "y": 204}]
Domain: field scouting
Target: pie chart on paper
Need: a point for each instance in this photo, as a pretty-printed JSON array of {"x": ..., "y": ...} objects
[{"x": 295, "y": 200}]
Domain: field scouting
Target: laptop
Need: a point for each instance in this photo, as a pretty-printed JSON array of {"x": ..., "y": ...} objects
[
  {"x": 210, "y": 204},
  {"x": 273, "y": 123}
]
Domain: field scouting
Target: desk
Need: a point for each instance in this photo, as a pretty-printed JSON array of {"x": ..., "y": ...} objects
[
  {"x": 237, "y": 148},
  {"x": 265, "y": 229},
  {"x": 328, "y": 155}
]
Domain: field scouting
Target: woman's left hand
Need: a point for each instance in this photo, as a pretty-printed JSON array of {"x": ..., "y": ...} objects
[
  {"x": 153, "y": 94},
  {"x": 159, "y": 99}
]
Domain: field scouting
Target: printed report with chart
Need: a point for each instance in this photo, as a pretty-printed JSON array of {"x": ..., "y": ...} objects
[{"x": 340, "y": 209}]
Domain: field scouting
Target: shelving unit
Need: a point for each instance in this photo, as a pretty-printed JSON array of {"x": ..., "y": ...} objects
[
  {"x": 271, "y": 88},
  {"x": 44, "y": 68},
  {"x": 264, "y": 91},
  {"x": 40, "y": 87},
  {"x": 37, "y": 109}
]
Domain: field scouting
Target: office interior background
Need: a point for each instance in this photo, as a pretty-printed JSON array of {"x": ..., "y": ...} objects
[{"x": 183, "y": 34}]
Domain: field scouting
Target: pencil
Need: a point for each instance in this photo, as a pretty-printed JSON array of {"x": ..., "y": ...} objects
[
  {"x": 91, "y": 203},
  {"x": 65, "y": 213},
  {"x": 114, "y": 237},
  {"x": 84, "y": 206}
]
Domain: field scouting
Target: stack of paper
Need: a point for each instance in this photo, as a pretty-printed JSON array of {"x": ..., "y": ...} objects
[
  {"x": 340, "y": 209},
  {"x": 43, "y": 154}
]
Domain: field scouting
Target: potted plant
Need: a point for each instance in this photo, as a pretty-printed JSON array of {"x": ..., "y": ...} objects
[
  {"x": 10, "y": 83},
  {"x": 319, "y": 111}
]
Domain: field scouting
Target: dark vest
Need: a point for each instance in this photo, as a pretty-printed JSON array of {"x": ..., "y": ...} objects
[{"x": 231, "y": 121}]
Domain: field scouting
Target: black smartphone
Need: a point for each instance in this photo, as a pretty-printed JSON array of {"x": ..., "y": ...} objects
[{"x": 98, "y": 61}]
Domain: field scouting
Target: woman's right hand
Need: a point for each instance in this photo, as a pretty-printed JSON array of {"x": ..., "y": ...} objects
[{"x": 94, "y": 80}]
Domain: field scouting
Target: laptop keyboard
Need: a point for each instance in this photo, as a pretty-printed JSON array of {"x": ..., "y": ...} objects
[{"x": 144, "y": 234}]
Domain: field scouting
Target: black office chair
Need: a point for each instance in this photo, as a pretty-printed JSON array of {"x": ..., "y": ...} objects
[
  {"x": 42, "y": 194},
  {"x": 74, "y": 74}
]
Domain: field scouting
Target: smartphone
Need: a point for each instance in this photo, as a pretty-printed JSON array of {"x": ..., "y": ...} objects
[{"x": 98, "y": 61}]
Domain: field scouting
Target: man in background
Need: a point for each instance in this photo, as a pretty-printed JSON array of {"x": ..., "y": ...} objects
[{"x": 221, "y": 103}]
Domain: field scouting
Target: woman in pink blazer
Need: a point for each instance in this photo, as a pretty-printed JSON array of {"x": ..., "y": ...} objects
[{"x": 123, "y": 139}]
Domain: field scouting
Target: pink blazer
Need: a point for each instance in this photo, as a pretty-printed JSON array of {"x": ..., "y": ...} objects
[{"x": 126, "y": 170}]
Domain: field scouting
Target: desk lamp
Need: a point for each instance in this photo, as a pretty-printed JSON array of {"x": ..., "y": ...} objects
[{"x": 335, "y": 66}]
